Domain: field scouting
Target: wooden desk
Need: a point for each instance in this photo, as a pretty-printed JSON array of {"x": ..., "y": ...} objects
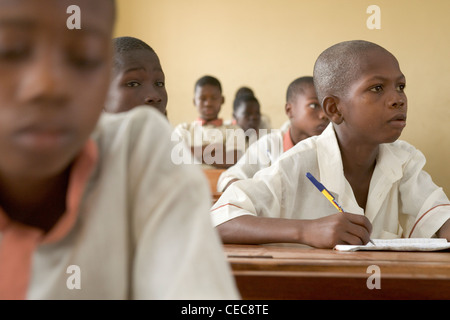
[
  {"x": 213, "y": 176},
  {"x": 299, "y": 272}
]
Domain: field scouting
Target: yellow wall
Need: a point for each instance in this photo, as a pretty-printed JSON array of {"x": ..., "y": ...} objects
[{"x": 265, "y": 44}]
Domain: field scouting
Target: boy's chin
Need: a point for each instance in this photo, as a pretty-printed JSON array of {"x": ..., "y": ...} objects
[{"x": 393, "y": 138}]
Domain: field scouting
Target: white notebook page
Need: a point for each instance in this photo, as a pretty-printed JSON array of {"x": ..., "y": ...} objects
[{"x": 408, "y": 244}]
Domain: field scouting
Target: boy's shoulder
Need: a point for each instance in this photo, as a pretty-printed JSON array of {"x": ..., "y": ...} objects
[
  {"x": 139, "y": 116},
  {"x": 140, "y": 121}
]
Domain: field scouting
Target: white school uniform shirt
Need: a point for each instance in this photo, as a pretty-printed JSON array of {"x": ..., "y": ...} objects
[
  {"x": 261, "y": 154},
  {"x": 403, "y": 201},
  {"x": 200, "y": 133},
  {"x": 143, "y": 229}
]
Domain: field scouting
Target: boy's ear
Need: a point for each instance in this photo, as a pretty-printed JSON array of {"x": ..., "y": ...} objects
[
  {"x": 223, "y": 100},
  {"x": 288, "y": 109},
  {"x": 331, "y": 109}
]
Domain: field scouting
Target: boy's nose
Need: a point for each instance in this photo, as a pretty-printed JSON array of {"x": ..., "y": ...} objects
[
  {"x": 152, "y": 99},
  {"x": 322, "y": 115},
  {"x": 44, "y": 81},
  {"x": 396, "y": 100},
  {"x": 397, "y": 104}
]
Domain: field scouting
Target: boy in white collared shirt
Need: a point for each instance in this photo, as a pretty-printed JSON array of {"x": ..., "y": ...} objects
[
  {"x": 91, "y": 205},
  {"x": 306, "y": 119},
  {"x": 379, "y": 181},
  {"x": 211, "y": 141}
]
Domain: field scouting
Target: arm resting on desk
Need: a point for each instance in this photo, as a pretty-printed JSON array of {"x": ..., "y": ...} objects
[{"x": 340, "y": 228}]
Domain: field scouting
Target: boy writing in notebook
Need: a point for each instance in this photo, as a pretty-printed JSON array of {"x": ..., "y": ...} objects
[
  {"x": 91, "y": 205},
  {"x": 306, "y": 119},
  {"x": 211, "y": 140},
  {"x": 376, "y": 178},
  {"x": 138, "y": 78}
]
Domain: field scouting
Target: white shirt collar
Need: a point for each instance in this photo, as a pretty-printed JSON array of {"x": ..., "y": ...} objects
[{"x": 388, "y": 170}]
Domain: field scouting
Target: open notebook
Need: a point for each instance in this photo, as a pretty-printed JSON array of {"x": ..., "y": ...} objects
[{"x": 408, "y": 244}]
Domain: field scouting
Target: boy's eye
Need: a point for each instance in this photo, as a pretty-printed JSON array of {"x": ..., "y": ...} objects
[
  {"x": 85, "y": 63},
  {"x": 378, "y": 88},
  {"x": 133, "y": 84},
  {"x": 401, "y": 87},
  {"x": 14, "y": 54},
  {"x": 314, "y": 105},
  {"x": 160, "y": 84},
  {"x": 14, "y": 44}
]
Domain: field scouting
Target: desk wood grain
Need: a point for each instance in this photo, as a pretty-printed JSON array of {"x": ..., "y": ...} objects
[{"x": 300, "y": 272}]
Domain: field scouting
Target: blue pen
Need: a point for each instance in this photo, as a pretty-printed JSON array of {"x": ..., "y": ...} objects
[
  {"x": 327, "y": 194},
  {"x": 324, "y": 191}
]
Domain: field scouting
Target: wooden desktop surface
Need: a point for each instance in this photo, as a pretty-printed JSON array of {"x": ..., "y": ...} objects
[{"x": 299, "y": 272}]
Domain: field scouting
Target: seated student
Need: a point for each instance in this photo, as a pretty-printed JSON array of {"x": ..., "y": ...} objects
[
  {"x": 212, "y": 142},
  {"x": 378, "y": 180},
  {"x": 247, "y": 115},
  {"x": 138, "y": 78},
  {"x": 92, "y": 206},
  {"x": 264, "y": 122},
  {"x": 306, "y": 119}
]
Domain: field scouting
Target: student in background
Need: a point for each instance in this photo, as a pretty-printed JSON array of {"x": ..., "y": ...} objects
[
  {"x": 376, "y": 178},
  {"x": 208, "y": 137},
  {"x": 92, "y": 207},
  {"x": 247, "y": 115},
  {"x": 138, "y": 78},
  {"x": 306, "y": 119},
  {"x": 243, "y": 92}
]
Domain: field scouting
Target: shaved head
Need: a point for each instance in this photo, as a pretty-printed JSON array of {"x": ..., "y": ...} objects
[{"x": 339, "y": 65}]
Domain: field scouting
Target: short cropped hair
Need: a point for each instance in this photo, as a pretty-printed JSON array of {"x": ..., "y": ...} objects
[
  {"x": 123, "y": 45},
  {"x": 244, "y": 91},
  {"x": 297, "y": 87},
  {"x": 243, "y": 99},
  {"x": 126, "y": 44},
  {"x": 208, "y": 80},
  {"x": 338, "y": 66}
]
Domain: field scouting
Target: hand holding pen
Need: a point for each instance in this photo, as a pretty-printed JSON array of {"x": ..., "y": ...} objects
[{"x": 327, "y": 194}]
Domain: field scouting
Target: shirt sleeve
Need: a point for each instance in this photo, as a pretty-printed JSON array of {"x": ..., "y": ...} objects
[
  {"x": 270, "y": 193},
  {"x": 424, "y": 205},
  {"x": 256, "y": 157}
]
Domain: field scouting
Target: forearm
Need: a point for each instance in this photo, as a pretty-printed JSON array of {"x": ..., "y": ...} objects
[
  {"x": 249, "y": 229},
  {"x": 326, "y": 232}
]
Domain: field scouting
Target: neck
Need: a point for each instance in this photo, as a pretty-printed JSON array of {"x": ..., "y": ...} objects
[
  {"x": 35, "y": 202},
  {"x": 358, "y": 157},
  {"x": 297, "y": 135},
  {"x": 358, "y": 160}
]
